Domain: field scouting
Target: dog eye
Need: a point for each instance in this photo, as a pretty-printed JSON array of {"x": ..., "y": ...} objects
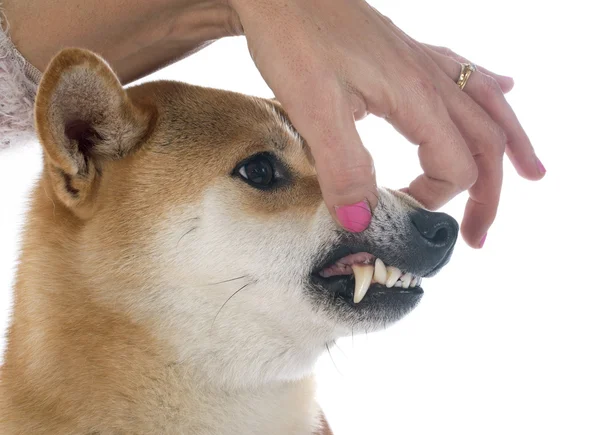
[{"x": 258, "y": 171}]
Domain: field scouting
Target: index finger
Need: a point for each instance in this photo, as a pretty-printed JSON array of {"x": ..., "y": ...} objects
[{"x": 448, "y": 167}]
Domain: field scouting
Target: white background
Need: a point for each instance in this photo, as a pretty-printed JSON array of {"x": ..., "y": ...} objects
[{"x": 506, "y": 339}]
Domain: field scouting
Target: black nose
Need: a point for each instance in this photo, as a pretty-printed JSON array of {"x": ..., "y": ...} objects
[{"x": 437, "y": 230}]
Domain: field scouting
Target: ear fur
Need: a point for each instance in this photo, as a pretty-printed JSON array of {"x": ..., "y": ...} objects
[{"x": 84, "y": 117}]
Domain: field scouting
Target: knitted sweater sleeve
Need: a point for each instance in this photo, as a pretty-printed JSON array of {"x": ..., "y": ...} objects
[{"x": 18, "y": 85}]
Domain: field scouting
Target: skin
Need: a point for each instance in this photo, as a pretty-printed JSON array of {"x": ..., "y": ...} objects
[{"x": 329, "y": 64}]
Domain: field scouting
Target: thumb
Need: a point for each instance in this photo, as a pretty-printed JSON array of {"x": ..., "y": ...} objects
[{"x": 344, "y": 167}]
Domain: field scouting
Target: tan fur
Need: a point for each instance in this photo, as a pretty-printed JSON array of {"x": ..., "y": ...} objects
[
  {"x": 160, "y": 293},
  {"x": 79, "y": 359}
]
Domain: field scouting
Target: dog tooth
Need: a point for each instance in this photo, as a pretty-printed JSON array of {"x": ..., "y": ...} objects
[
  {"x": 380, "y": 272},
  {"x": 363, "y": 274},
  {"x": 414, "y": 281},
  {"x": 393, "y": 273},
  {"x": 419, "y": 281},
  {"x": 406, "y": 280}
]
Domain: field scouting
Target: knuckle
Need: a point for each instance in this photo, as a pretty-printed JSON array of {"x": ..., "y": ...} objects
[
  {"x": 427, "y": 90},
  {"x": 499, "y": 140},
  {"x": 233, "y": 25},
  {"x": 490, "y": 87},
  {"x": 446, "y": 51},
  {"x": 387, "y": 19},
  {"x": 352, "y": 178},
  {"x": 468, "y": 176},
  {"x": 380, "y": 98}
]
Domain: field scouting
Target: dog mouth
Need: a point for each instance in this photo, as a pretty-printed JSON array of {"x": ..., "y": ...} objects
[{"x": 361, "y": 275}]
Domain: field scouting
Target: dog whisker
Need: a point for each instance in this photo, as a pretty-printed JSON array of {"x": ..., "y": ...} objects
[
  {"x": 330, "y": 356},
  {"x": 185, "y": 234},
  {"x": 227, "y": 280},
  {"x": 338, "y": 346},
  {"x": 228, "y": 299}
]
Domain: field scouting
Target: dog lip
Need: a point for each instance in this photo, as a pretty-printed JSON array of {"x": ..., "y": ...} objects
[
  {"x": 337, "y": 253},
  {"x": 416, "y": 290},
  {"x": 341, "y": 251},
  {"x": 343, "y": 287},
  {"x": 441, "y": 264},
  {"x": 343, "y": 265}
]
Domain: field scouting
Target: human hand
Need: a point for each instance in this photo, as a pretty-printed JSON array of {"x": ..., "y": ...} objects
[{"x": 331, "y": 63}]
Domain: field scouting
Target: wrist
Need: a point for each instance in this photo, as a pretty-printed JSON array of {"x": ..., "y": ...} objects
[
  {"x": 136, "y": 37},
  {"x": 201, "y": 21}
]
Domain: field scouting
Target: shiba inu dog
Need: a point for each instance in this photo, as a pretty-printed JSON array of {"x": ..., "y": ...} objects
[{"x": 180, "y": 273}]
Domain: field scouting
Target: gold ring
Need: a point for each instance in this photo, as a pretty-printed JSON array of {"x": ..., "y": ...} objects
[{"x": 465, "y": 72}]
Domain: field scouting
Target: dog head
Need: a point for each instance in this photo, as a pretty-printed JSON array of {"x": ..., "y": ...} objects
[{"x": 197, "y": 213}]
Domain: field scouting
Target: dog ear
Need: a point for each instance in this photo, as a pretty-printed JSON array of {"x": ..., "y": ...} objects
[{"x": 83, "y": 118}]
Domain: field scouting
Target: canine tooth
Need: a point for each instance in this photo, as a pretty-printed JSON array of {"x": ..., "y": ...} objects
[
  {"x": 380, "y": 273},
  {"x": 419, "y": 281},
  {"x": 393, "y": 273},
  {"x": 414, "y": 281},
  {"x": 406, "y": 280},
  {"x": 363, "y": 274}
]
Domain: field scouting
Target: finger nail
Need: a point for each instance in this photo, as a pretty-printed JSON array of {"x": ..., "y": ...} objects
[
  {"x": 482, "y": 240},
  {"x": 540, "y": 167},
  {"x": 354, "y": 218}
]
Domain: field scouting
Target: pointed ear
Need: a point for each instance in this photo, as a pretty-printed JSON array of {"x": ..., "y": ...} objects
[{"x": 83, "y": 118}]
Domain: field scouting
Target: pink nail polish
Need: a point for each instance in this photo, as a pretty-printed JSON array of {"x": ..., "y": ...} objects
[
  {"x": 356, "y": 217},
  {"x": 482, "y": 240},
  {"x": 540, "y": 166}
]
